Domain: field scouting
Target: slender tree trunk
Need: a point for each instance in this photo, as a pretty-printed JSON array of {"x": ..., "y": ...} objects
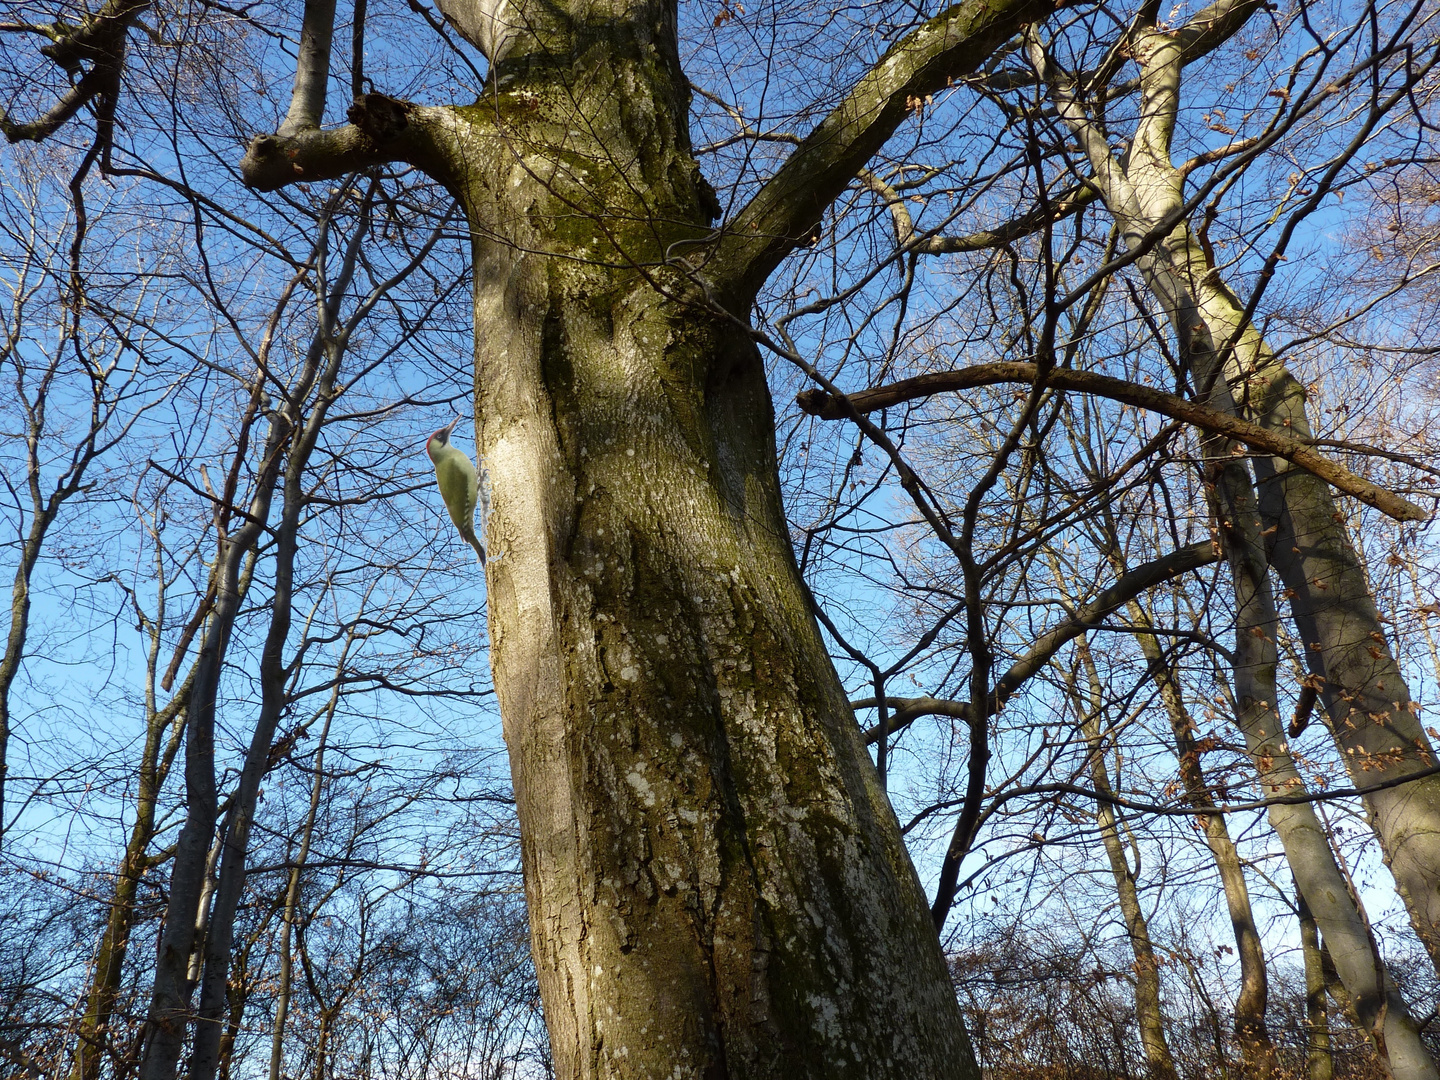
[
  {"x": 292, "y": 890},
  {"x": 1257, "y": 1050},
  {"x": 1149, "y": 1014},
  {"x": 1376, "y": 1003},
  {"x": 108, "y": 966},
  {"x": 1319, "y": 1061},
  {"x": 15, "y": 638},
  {"x": 317, "y": 374},
  {"x": 1371, "y": 712},
  {"x": 239, "y": 987},
  {"x": 43, "y": 511},
  {"x": 156, "y": 758},
  {"x": 169, "y": 1011}
]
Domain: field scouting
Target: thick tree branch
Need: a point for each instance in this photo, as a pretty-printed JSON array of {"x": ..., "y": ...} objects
[
  {"x": 828, "y": 407},
  {"x": 788, "y": 209},
  {"x": 72, "y": 101},
  {"x": 1069, "y": 202},
  {"x": 1130, "y": 585},
  {"x": 381, "y": 129}
]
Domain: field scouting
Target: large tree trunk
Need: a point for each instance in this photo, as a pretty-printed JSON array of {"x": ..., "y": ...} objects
[
  {"x": 716, "y": 882},
  {"x": 717, "y": 885},
  {"x": 680, "y": 745}
]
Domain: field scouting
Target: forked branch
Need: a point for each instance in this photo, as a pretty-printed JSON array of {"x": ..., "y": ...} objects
[
  {"x": 786, "y": 211},
  {"x": 381, "y": 129}
]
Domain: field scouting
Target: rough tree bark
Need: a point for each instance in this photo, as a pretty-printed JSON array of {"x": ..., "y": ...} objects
[{"x": 717, "y": 885}]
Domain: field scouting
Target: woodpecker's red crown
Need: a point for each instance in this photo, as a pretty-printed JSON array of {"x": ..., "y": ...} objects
[{"x": 442, "y": 436}]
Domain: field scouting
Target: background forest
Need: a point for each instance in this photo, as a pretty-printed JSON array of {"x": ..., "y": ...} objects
[{"x": 1113, "y": 745}]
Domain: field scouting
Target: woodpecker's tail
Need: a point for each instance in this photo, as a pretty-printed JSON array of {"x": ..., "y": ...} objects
[{"x": 479, "y": 548}]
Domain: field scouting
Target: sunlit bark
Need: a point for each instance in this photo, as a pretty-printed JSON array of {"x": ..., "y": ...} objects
[{"x": 1372, "y": 715}]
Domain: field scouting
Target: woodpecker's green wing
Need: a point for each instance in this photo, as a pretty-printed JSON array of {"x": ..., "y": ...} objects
[{"x": 458, "y": 487}]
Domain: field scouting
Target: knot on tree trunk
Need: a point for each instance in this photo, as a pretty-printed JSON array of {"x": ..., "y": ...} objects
[
  {"x": 819, "y": 403},
  {"x": 382, "y": 118}
]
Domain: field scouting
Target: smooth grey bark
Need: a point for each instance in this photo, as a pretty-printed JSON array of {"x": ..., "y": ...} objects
[
  {"x": 716, "y": 883},
  {"x": 1149, "y": 1012},
  {"x": 1319, "y": 1060},
  {"x": 1372, "y": 715},
  {"x": 1374, "y": 1000},
  {"x": 312, "y": 68},
  {"x": 1141, "y": 193},
  {"x": 1257, "y": 1049},
  {"x": 322, "y": 364}
]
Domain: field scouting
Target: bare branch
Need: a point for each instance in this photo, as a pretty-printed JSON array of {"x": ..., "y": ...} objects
[
  {"x": 1129, "y": 586},
  {"x": 788, "y": 209},
  {"x": 828, "y": 407},
  {"x": 99, "y": 40}
]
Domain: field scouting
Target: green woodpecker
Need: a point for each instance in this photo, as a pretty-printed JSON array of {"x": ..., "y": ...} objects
[{"x": 459, "y": 486}]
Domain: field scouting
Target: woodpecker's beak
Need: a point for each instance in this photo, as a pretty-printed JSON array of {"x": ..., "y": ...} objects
[{"x": 450, "y": 427}]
